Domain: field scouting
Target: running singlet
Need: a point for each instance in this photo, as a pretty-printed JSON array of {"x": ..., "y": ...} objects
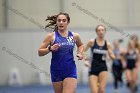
[
  {"x": 63, "y": 58},
  {"x": 98, "y": 63},
  {"x": 131, "y": 59},
  {"x": 99, "y": 54}
]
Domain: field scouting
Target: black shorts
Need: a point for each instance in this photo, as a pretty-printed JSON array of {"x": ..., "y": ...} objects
[
  {"x": 131, "y": 65},
  {"x": 117, "y": 68},
  {"x": 97, "y": 70}
]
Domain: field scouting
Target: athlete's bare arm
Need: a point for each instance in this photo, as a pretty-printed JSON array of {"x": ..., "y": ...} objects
[
  {"x": 138, "y": 58},
  {"x": 43, "y": 50},
  {"x": 110, "y": 51},
  {"x": 80, "y": 46},
  {"x": 88, "y": 45}
]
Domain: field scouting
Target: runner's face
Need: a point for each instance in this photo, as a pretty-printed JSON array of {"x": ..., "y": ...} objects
[
  {"x": 62, "y": 22},
  {"x": 100, "y": 32},
  {"x": 116, "y": 44}
]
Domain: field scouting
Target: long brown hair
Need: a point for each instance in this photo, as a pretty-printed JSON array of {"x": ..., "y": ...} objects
[
  {"x": 136, "y": 40},
  {"x": 52, "y": 20}
]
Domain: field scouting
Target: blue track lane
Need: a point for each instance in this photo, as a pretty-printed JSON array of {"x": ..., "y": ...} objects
[{"x": 49, "y": 89}]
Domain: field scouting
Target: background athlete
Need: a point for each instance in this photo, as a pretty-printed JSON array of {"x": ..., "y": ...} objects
[
  {"x": 98, "y": 68},
  {"x": 132, "y": 57},
  {"x": 118, "y": 64}
]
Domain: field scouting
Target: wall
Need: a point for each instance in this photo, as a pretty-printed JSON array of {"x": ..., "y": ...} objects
[{"x": 83, "y": 13}]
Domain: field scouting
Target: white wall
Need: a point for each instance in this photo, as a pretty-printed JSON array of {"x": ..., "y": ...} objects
[
  {"x": 136, "y": 13},
  {"x": 25, "y": 43},
  {"x": 112, "y": 11},
  {"x": 32, "y": 9},
  {"x": 2, "y": 17},
  {"x": 116, "y": 12}
]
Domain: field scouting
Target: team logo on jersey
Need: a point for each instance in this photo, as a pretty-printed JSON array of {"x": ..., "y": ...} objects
[
  {"x": 70, "y": 39},
  {"x": 70, "y": 42},
  {"x": 99, "y": 51},
  {"x": 132, "y": 56}
]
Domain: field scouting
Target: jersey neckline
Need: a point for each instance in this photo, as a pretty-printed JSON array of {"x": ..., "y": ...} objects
[{"x": 64, "y": 36}]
